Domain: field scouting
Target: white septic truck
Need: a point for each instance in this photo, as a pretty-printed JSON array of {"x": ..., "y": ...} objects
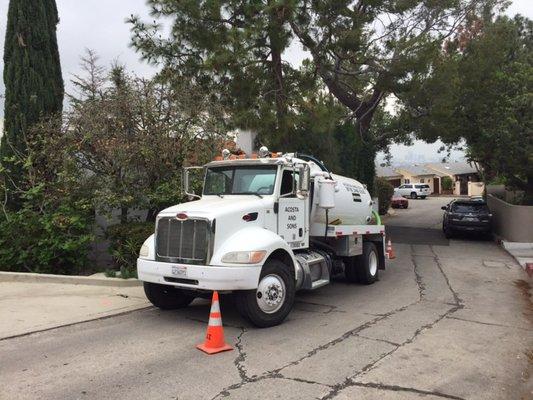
[{"x": 264, "y": 228}]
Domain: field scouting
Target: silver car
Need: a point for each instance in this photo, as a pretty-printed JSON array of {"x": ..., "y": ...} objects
[{"x": 414, "y": 190}]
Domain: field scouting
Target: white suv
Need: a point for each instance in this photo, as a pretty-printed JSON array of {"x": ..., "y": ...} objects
[{"x": 413, "y": 190}]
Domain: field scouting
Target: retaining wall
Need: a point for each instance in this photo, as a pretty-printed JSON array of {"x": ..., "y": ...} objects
[{"x": 512, "y": 222}]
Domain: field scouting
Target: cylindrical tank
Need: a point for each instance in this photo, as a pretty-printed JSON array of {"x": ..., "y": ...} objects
[
  {"x": 326, "y": 193},
  {"x": 352, "y": 203}
]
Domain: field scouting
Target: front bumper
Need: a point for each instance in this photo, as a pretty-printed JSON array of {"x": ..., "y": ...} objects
[{"x": 199, "y": 277}]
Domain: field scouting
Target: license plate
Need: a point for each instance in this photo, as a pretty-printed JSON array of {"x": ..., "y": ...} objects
[
  {"x": 179, "y": 270},
  {"x": 470, "y": 219}
]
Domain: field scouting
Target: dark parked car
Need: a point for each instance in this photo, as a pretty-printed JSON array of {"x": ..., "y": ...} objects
[{"x": 467, "y": 215}]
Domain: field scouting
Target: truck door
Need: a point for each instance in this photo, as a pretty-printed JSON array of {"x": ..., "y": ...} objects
[{"x": 292, "y": 213}]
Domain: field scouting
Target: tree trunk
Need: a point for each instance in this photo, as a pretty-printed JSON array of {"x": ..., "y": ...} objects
[
  {"x": 277, "y": 45},
  {"x": 123, "y": 215},
  {"x": 280, "y": 97},
  {"x": 528, "y": 193},
  {"x": 151, "y": 215}
]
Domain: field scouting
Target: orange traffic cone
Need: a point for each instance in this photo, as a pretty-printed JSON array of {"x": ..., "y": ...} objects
[
  {"x": 214, "y": 338},
  {"x": 390, "y": 251}
]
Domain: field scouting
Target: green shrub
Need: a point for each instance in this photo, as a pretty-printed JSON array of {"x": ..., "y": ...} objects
[
  {"x": 384, "y": 191},
  {"x": 44, "y": 241},
  {"x": 447, "y": 183},
  {"x": 125, "y": 242}
]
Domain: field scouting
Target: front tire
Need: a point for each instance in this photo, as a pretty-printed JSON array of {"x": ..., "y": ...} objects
[
  {"x": 272, "y": 301},
  {"x": 413, "y": 195},
  {"x": 167, "y": 297}
]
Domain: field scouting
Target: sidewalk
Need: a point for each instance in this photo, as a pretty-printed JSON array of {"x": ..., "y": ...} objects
[
  {"x": 27, "y": 307},
  {"x": 522, "y": 252}
]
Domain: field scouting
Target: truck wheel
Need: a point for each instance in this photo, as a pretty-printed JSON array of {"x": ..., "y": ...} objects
[
  {"x": 413, "y": 195},
  {"x": 368, "y": 264},
  {"x": 273, "y": 299},
  {"x": 167, "y": 297}
]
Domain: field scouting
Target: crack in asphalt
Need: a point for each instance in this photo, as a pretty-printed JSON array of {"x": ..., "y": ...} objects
[
  {"x": 395, "y": 388},
  {"x": 418, "y": 280},
  {"x": 331, "y": 308},
  {"x": 378, "y": 340},
  {"x": 489, "y": 323},
  {"x": 349, "y": 381},
  {"x": 241, "y": 357}
]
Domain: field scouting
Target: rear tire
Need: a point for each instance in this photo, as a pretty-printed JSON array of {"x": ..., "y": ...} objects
[
  {"x": 167, "y": 297},
  {"x": 272, "y": 301},
  {"x": 364, "y": 268},
  {"x": 413, "y": 195},
  {"x": 448, "y": 233},
  {"x": 368, "y": 264}
]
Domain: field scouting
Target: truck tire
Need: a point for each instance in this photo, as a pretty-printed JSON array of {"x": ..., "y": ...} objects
[
  {"x": 368, "y": 264},
  {"x": 272, "y": 301},
  {"x": 413, "y": 195},
  {"x": 167, "y": 297},
  {"x": 364, "y": 268}
]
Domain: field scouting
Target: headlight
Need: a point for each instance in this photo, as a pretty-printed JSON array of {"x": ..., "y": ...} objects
[
  {"x": 244, "y": 257},
  {"x": 145, "y": 251}
]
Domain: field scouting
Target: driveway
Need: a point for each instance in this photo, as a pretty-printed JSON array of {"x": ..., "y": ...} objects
[{"x": 451, "y": 320}]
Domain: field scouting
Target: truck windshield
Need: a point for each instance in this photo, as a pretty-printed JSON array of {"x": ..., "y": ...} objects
[{"x": 257, "y": 180}]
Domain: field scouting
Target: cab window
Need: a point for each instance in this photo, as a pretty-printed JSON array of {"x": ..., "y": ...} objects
[{"x": 287, "y": 183}]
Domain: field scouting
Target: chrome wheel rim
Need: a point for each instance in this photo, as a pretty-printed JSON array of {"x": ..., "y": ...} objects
[
  {"x": 373, "y": 263},
  {"x": 270, "y": 294}
]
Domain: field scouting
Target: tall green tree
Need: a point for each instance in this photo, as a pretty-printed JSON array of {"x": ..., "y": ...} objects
[
  {"x": 363, "y": 51},
  {"x": 32, "y": 77},
  {"x": 479, "y": 93}
]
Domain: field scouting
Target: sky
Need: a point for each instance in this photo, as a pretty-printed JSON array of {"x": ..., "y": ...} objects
[{"x": 100, "y": 25}]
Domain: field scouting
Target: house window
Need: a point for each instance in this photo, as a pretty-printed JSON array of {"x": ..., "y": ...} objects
[
  {"x": 422, "y": 180},
  {"x": 406, "y": 181}
]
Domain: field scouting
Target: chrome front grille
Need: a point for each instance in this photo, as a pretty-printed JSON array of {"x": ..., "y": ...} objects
[{"x": 185, "y": 241}]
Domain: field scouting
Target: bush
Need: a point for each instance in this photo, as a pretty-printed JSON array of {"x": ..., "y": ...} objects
[
  {"x": 384, "y": 191},
  {"x": 447, "y": 183},
  {"x": 125, "y": 242},
  {"x": 42, "y": 241}
]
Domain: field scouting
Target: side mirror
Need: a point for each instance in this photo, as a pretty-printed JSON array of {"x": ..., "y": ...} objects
[
  {"x": 185, "y": 182},
  {"x": 443, "y": 208},
  {"x": 304, "y": 182}
]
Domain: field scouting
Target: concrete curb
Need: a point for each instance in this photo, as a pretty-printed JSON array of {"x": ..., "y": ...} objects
[{"x": 66, "y": 279}]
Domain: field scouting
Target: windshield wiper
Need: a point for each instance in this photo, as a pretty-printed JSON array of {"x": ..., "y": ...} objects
[
  {"x": 219, "y": 195},
  {"x": 254, "y": 193}
]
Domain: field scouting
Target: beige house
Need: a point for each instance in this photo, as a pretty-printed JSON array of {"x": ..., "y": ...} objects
[
  {"x": 420, "y": 174},
  {"x": 390, "y": 174},
  {"x": 465, "y": 177}
]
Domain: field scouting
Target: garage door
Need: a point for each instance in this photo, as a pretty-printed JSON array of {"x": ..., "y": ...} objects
[{"x": 395, "y": 182}]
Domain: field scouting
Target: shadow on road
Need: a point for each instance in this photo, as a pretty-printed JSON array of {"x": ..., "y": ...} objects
[{"x": 412, "y": 235}]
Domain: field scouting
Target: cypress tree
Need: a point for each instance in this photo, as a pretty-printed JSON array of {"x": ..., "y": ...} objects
[{"x": 32, "y": 78}]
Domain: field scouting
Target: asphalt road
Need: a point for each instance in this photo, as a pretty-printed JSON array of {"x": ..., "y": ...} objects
[{"x": 451, "y": 320}]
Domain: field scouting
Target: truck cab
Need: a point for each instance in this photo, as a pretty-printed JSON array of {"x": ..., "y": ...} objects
[{"x": 262, "y": 230}]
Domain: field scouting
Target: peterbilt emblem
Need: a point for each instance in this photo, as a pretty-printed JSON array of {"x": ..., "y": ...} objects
[{"x": 181, "y": 216}]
